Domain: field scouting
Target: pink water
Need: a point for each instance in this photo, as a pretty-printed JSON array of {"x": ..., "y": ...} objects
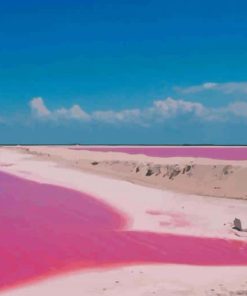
[
  {"x": 47, "y": 230},
  {"x": 231, "y": 153}
]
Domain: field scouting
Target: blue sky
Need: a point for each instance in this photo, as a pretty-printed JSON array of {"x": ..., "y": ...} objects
[{"x": 154, "y": 72}]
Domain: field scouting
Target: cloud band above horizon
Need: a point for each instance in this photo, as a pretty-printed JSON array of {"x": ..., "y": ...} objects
[{"x": 159, "y": 111}]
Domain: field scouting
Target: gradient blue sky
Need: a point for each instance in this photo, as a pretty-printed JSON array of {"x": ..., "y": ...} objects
[{"x": 151, "y": 72}]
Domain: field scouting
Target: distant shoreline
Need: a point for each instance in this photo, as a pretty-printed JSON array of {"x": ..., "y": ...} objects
[{"x": 126, "y": 145}]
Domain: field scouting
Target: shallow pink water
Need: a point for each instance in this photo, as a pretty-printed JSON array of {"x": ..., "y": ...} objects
[
  {"x": 231, "y": 153},
  {"x": 46, "y": 230}
]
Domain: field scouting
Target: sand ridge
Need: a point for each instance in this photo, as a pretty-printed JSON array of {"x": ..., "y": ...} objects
[{"x": 200, "y": 176}]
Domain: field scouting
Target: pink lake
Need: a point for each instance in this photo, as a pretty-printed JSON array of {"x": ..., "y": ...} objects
[
  {"x": 230, "y": 153},
  {"x": 47, "y": 230}
]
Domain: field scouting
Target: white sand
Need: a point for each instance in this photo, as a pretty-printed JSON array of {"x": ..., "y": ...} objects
[{"x": 208, "y": 217}]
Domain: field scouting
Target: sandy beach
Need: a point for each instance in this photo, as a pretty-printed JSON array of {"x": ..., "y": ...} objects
[
  {"x": 110, "y": 223},
  {"x": 177, "y": 170}
]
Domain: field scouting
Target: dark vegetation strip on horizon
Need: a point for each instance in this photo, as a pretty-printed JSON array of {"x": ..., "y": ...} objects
[{"x": 149, "y": 145}]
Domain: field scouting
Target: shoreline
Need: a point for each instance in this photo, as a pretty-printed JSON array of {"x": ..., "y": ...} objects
[
  {"x": 147, "y": 209},
  {"x": 199, "y": 176},
  {"x": 53, "y": 171}
]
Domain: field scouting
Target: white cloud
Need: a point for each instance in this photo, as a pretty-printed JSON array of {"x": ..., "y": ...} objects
[
  {"x": 75, "y": 112},
  {"x": 160, "y": 110},
  {"x": 39, "y": 108},
  {"x": 232, "y": 87},
  {"x": 238, "y": 109},
  {"x": 209, "y": 85},
  {"x": 226, "y": 88},
  {"x": 171, "y": 107},
  {"x": 128, "y": 115}
]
